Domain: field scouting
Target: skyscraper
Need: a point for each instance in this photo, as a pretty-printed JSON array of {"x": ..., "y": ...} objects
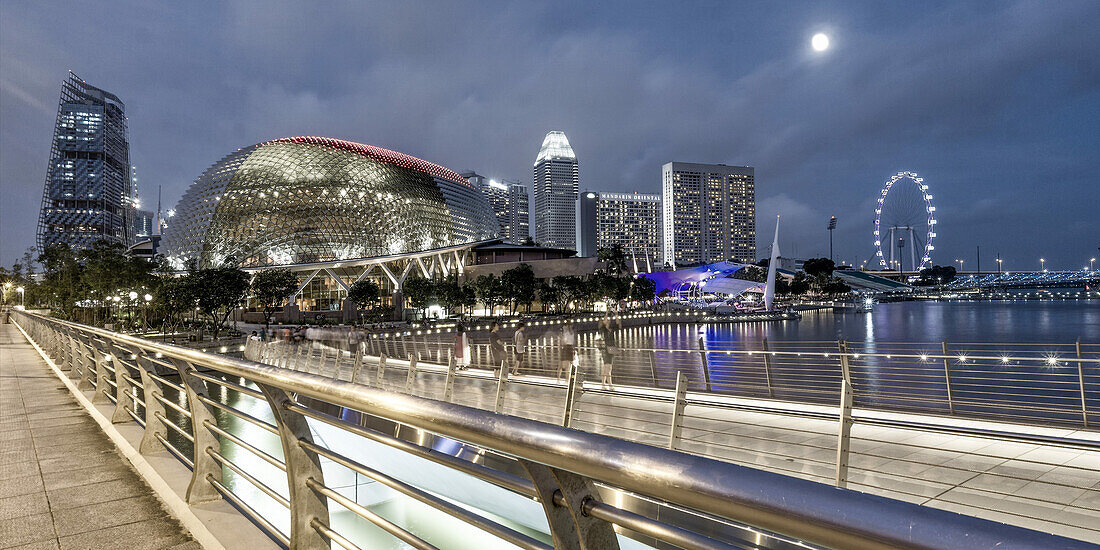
[
  {"x": 88, "y": 192},
  {"x": 509, "y": 202},
  {"x": 709, "y": 213},
  {"x": 556, "y": 181},
  {"x": 630, "y": 220}
]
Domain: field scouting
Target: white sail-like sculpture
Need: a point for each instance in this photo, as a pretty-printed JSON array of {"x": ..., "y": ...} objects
[{"x": 769, "y": 287}]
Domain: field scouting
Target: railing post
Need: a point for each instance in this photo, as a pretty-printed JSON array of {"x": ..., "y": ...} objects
[
  {"x": 205, "y": 466},
  {"x": 678, "y": 410},
  {"x": 123, "y": 393},
  {"x": 411, "y": 377},
  {"x": 321, "y": 360},
  {"x": 357, "y": 366},
  {"x": 381, "y": 370},
  {"x": 502, "y": 383},
  {"x": 768, "y": 368},
  {"x": 573, "y": 390},
  {"x": 570, "y": 527},
  {"x": 302, "y": 465},
  {"x": 449, "y": 386},
  {"x": 947, "y": 379},
  {"x": 101, "y": 357},
  {"x": 1081, "y": 384},
  {"x": 652, "y": 356},
  {"x": 844, "y": 435},
  {"x": 153, "y": 407},
  {"x": 87, "y": 363},
  {"x": 703, "y": 358}
]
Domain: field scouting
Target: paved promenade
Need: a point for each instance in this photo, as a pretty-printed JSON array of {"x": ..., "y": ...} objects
[{"x": 63, "y": 483}]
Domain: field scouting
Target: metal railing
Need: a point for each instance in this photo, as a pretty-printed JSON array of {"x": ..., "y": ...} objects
[
  {"x": 1052, "y": 384},
  {"x": 816, "y": 442},
  {"x": 565, "y": 470}
]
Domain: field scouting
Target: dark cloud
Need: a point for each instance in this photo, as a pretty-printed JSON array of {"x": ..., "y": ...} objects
[{"x": 996, "y": 104}]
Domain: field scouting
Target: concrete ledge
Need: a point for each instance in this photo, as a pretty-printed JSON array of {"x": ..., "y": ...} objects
[{"x": 215, "y": 525}]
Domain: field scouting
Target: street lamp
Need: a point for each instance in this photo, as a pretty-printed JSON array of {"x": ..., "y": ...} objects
[
  {"x": 1091, "y": 261},
  {"x": 22, "y": 297},
  {"x": 999, "y": 266},
  {"x": 1043, "y": 264},
  {"x": 960, "y": 264}
]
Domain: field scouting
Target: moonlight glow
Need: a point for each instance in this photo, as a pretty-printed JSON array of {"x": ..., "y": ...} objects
[{"x": 820, "y": 42}]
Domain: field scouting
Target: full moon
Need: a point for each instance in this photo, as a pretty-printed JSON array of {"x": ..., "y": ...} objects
[{"x": 820, "y": 42}]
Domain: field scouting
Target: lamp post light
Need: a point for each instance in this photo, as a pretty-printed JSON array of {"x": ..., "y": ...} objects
[
  {"x": 1091, "y": 262},
  {"x": 960, "y": 264},
  {"x": 1043, "y": 264},
  {"x": 999, "y": 260},
  {"x": 22, "y": 297},
  {"x": 145, "y": 312}
]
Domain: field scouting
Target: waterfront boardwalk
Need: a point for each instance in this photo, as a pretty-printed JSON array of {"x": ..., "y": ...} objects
[{"x": 63, "y": 483}]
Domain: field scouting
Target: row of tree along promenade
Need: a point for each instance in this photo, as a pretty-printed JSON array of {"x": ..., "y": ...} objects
[{"x": 104, "y": 286}]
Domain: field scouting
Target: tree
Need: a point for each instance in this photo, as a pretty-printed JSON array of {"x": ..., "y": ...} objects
[
  {"x": 364, "y": 293},
  {"x": 936, "y": 275},
  {"x": 218, "y": 290},
  {"x": 271, "y": 288},
  {"x": 643, "y": 289},
  {"x": 614, "y": 259},
  {"x": 62, "y": 281},
  {"x": 835, "y": 286},
  {"x": 419, "y": 292},
  {"x": 519, "y": 285},
  {"x": 752, "y": 273},
  {"x": 800, "y": 284},
  {"x": 488, "y": 289},
  {"x": 819, "y": 268},
  {"x": 549, "y": 295},
  {"x": 174, "y": 297},
  {"x": 453, "y": 295}
]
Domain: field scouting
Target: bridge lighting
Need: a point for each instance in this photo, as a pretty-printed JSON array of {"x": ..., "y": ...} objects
[
  {"x": 962, "y": 358},
  {"x": 923, "y": 357},
  {"x": 1052, "y": 360},
  {"x": 1004, "y": 359}
]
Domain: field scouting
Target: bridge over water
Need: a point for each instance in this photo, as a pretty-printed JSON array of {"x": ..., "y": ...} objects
[{"x": 337, "y": 449}]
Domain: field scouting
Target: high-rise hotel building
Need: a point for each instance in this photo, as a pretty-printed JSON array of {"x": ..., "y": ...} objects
[
  {"x": 88, "y": 192},
  {"x": 556, "y": 181},
  {"x": 630, "y": 220},
  {"x": 510, "y": 204},
  {"x": 709, "y": 213}
]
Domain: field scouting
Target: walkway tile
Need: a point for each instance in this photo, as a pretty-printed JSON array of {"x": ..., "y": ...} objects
[{"x": 63, "y": 483}]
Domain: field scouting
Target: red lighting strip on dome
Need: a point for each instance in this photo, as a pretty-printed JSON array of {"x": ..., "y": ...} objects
[{"x": 378, "y": 153}]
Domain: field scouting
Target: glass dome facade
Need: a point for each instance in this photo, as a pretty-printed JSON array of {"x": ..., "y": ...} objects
[{"x": 313, "y": 199}]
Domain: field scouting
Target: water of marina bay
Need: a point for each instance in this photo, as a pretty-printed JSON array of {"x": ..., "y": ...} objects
[{"x": 1039, "y": 322}]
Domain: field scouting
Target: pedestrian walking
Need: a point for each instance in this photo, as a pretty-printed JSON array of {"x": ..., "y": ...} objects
[
  {"x": 263, "y": 334},
  {"x": 462, "y": 347},
  {"x": 568, "y": 347},
  {"x": 609, "y": 347},
  {"x": 520, "y": 340},
  {"x": 498, "y": 355}
]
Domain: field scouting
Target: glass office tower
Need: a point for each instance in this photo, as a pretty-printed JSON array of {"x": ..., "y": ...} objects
[{"x": 88, "y": 192}]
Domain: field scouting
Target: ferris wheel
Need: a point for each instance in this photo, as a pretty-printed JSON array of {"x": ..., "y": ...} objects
[{"x": 905, "y": 218}]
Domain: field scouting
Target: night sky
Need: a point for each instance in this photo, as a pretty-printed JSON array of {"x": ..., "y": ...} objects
[{"x": 995, "y": 104}]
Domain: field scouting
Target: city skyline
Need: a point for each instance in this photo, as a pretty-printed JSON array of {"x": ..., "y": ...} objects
[{"x": 994, "y": 105}]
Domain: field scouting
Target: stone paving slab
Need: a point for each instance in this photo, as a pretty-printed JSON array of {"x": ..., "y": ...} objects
[{"x": 63, "y": 484}]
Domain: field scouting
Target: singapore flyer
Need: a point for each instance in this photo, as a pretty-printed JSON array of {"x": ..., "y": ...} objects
[{"x": 905, "y": 218}]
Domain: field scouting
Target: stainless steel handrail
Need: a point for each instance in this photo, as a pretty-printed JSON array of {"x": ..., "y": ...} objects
[{"x": 794, "y": 507}]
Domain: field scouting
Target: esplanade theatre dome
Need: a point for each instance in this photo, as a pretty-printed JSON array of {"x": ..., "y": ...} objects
[{"x": 313, "y": 199}]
